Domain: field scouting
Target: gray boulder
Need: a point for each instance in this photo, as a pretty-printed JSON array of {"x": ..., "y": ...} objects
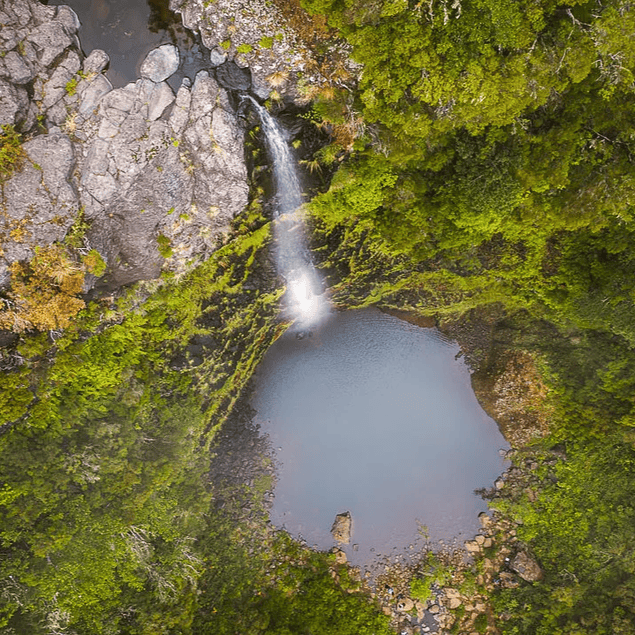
[
  {"x": 526, "y": 567},
  {"x": 39, "y": 203},
  {"x": 162, "y": 177},
  {"x": 96, "y": 62},
  {"x": 14, "y": 104},
  {"x": 160, "y": 63}
]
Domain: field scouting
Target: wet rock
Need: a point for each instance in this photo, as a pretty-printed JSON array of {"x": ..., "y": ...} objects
[
  {"x": 160, "y": 63},
  {"x": 230, "y": 75},
  {"x": 526, "y": 567},
  {"x": 68, "y": 18},
  {"x": 96, "y": 62},
  {"x": 342, "y": 527},
  {"x": 217, "y": 57},
  {"x": 340, "y": 556}
]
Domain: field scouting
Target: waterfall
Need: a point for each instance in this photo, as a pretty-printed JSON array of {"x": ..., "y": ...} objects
[{"x": 304, "y": 301}]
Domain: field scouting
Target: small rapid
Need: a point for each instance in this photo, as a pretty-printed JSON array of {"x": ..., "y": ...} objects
[{"x": 305, "y": 301}]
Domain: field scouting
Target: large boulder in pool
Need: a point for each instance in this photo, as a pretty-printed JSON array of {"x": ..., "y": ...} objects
[
  {"x": 160, "y": 63},
  {"x": 342, "y": 527}
]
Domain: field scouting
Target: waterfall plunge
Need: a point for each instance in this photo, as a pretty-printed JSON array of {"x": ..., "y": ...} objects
[{"x": 304, "y": 301}]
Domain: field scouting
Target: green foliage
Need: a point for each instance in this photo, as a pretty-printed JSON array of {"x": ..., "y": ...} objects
[
  {"x": 265, "y": 42},
  {"x": 498, "y": 173},
  {"x": 581, "y": 528},
  {"x": 71, "y": 86},
  {"x": 263, "y": 582},
  {"x": 105, "y": 447},
  {"x": 420, "y": 590},
  {"x": 11, "y": 152},
  {"x": 244, "y": 48}
]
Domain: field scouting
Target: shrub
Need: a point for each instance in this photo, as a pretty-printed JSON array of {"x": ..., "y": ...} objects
[
  {"x": 11, "y": 152},
  {"x": 265, "y": 42},
  {"x": 44, "y": 292}
]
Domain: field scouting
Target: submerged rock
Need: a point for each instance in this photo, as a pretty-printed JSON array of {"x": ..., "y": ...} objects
[{"x": 342, "y": 527}]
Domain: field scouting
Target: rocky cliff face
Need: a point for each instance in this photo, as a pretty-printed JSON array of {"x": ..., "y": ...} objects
[
  {"x": 158, "y": 176},
  {"x": 253, "y": 34}
]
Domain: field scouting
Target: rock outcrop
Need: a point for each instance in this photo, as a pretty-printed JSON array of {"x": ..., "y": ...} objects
[
  {"x": 39, "y": 204},
  {"x": 254, "y": 34},
  {"x": 159, "y": 176},
  {"x": 40, "y": 55},
  {"x": 161, "y": 189}
]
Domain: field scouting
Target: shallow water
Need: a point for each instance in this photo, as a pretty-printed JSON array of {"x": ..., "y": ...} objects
[
  {"x": 128, "y": 30},
  {"x": 375, "y": 416}
]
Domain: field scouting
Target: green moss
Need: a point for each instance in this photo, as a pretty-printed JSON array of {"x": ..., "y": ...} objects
[
  {"x": 75, "y": 236},
  {"x": 265, "y": 42},
  {"x": 11, "y": 152},
  {"x": 71, "y": 86},
  {"x": 94, "y": 263},
  {"x": 226, "y": 44},
  {"x": 244, "y": 48},
  {"x": 420, "y": 589},
  {"x": 165, "y": 246}
]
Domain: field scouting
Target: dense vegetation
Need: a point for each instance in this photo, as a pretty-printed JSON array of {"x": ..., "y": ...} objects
[{"x": 485, "y": 168}]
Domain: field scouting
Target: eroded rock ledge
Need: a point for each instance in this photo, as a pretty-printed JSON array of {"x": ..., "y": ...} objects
[{"x": 158, "y": 176}]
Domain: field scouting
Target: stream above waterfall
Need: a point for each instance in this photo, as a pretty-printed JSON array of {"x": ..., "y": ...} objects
[
  {"x": 128, "y": 30},
  {"x": 375, "y": 416}
]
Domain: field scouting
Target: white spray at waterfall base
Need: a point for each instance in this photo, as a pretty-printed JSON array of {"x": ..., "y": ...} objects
[{"x": 305, "y": 301}]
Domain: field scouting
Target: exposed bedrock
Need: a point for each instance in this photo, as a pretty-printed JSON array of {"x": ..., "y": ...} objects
[{"x": 159, "y": 176}]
